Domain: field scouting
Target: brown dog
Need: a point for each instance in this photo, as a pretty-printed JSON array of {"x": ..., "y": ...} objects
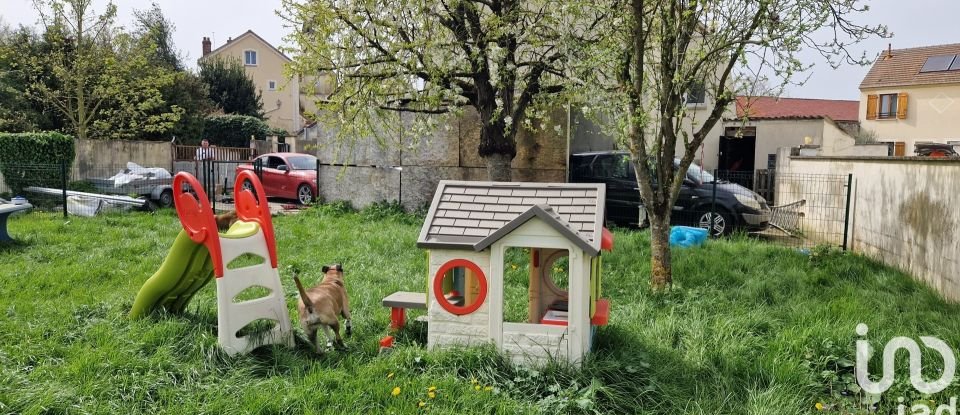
[
  {"x": 225, "y": 220},
  {"x": 320, "y": 307}
]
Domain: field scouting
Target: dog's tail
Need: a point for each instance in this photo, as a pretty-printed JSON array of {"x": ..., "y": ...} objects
[{"x": 303, "y": 294}]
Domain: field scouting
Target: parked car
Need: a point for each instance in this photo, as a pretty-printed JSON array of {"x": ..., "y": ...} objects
[
  {"x": 735, "y": 207},
  {"x": 286, "y": 175},
  {"x": 937, "y": 150}
]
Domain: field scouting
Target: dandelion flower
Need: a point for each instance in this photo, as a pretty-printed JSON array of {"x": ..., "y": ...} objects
[
  {"x": 476, "y": 387},
  {"x": 819, "y": 406},
  {"x": 514, "y": 266},
  {"x": 396, "y": 391},
  {"x": 473, "y": 381},
  {"x": 431, "y": 389},
  {"x": 422, "y": 404},
  {"x": 488, "y": 388},
  {"x": 432, "y": 394}
]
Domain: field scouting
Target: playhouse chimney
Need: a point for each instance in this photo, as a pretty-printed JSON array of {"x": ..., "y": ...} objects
[{"x": 206, "y": 46}]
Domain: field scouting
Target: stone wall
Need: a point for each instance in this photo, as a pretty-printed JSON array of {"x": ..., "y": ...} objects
[
  {"x": 395, "y": 165},
  {"x": 905, "y": 211}
]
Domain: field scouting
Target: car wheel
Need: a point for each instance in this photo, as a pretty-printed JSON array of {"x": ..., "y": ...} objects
[
  {"x": 304, "y": 194},
  {"x": 166, "y": 198},
  {"x": 248, "y": 185},
  {"x": 720, "y": 224}
]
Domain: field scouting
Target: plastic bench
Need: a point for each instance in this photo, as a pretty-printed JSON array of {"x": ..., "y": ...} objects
[
  {"x": 399, "y": 302},
  {"x": 5, "y": 210}
]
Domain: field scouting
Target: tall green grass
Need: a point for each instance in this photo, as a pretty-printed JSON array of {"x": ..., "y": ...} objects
[{"x": 749, "y": 328}]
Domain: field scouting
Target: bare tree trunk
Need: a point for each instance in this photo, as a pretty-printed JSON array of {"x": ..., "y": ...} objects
[
  {"x": 498, "y": 167},
  {"x": 660, "y": 266}
]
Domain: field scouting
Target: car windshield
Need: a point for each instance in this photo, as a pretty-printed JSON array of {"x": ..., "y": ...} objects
[
  {"x": 699, "y": 175},
  {"x": 302, "y": 162}
]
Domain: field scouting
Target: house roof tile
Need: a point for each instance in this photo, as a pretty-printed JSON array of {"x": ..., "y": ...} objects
[
  {"x": 758, "y": 108},
  {"x": 245, "y": 34},
  {"x": 464, "y": 213},
  {"x": 901, "y": 67}
]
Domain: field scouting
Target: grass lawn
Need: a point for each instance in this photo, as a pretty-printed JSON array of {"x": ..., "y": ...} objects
[{"x": 749, "y": 328}]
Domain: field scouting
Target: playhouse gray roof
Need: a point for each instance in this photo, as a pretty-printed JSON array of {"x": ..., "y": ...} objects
[{"x": 474, "y": 215}]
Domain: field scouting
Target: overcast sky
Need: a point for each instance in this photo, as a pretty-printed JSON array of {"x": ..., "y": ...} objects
[{"x": 914, "y": 23}]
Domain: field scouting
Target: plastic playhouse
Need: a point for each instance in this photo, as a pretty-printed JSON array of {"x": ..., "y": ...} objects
[
  {"x": 200, "y": 253},
  {"x": 468, "y": 230}
]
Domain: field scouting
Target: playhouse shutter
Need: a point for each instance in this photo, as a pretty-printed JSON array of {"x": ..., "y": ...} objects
[
  {"x": 902, "y": 106},
  {"x": 872, "y": 106}
]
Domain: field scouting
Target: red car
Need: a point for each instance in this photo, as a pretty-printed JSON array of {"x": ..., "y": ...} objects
[{"x": 286, "y": 175}]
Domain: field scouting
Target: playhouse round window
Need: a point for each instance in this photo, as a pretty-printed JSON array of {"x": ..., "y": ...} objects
[
  {"x": 557, "y": 270},
  {"x": 460, "y": 286}
]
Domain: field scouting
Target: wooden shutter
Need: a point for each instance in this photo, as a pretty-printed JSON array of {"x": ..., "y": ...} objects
[
  {"x": 902, "y": 106},
  {"x": 872, "y": 106},
  {"x": 899, "y": 149}
]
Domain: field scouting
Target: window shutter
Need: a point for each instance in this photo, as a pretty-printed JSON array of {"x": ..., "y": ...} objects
[
  {"x": 872, "y": 106},
  {"x": 902, "y": 106},
  {"x": 899, "y": 149}
]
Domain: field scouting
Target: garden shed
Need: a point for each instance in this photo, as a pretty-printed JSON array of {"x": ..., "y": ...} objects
[{"x": 473, "y": 229}]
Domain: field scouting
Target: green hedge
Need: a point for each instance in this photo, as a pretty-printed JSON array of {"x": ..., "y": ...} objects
[
  {"x": 33, "y": 159},
  {"x": 234, "y": 130}
]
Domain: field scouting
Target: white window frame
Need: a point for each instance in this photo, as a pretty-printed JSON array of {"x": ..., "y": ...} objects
[
  {"x": 256, "y": 57},
  {"x": 271, "y": 85}
]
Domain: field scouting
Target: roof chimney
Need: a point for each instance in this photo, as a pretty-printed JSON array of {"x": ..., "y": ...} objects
[
  {"x": 889, "y": 51},
  {"x": 206, "y": 46}
]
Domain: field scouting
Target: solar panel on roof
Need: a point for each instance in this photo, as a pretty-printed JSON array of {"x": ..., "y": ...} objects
[
  {"x": 956, "y": 65},
  {"x": 938, "y": 63}
]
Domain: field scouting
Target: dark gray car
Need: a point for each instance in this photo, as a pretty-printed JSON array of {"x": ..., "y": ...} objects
[{"x": 729, "y": 207}]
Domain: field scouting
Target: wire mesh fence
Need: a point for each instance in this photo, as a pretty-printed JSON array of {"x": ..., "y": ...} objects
[
  {"x": 88, "y": 190},
  {"x": 801, "y": 210}
]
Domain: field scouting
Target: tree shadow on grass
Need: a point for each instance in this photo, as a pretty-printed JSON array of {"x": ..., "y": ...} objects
[{"x": 15, "y": 246}]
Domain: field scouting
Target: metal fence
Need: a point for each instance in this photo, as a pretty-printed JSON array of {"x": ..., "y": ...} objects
[
  {"x": 57, "y": 188},
  {"x": 800, "y": 210}
]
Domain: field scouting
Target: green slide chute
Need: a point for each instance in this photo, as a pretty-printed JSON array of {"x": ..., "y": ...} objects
[{"x": 185, "y": 271}]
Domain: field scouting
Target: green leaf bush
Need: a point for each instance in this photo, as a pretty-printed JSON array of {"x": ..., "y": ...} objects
[
  {"x": 234, "y": 130},
  {"x": 34, "y": 159}
]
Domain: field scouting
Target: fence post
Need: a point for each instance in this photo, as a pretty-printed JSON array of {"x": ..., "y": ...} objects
[
  {"x": 63, "y": 184},
  {"x": 846, "y": 213},
  {"x": 713, "y": 203}
]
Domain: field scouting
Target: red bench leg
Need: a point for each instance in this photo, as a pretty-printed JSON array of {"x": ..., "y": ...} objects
[{"x": 397, "y": 318}]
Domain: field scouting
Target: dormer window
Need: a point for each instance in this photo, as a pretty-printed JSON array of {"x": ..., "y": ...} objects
[{"x": 250, "y": 57}]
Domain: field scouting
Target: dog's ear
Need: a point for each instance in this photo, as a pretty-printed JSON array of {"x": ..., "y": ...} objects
[{"x": 325, "y": 269}]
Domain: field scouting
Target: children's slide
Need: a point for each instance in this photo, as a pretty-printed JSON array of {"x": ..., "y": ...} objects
[
  {"x": 187, "y": 268},
  {"x": 201, "y": 254}
]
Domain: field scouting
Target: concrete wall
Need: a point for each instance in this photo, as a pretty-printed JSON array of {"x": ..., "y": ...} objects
[
  {"x": 903, "y": 212},
  {"x": 932, "y": 112},
  {"x": 98, "y": 153},
  {"x": 104, "y": 158}
]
